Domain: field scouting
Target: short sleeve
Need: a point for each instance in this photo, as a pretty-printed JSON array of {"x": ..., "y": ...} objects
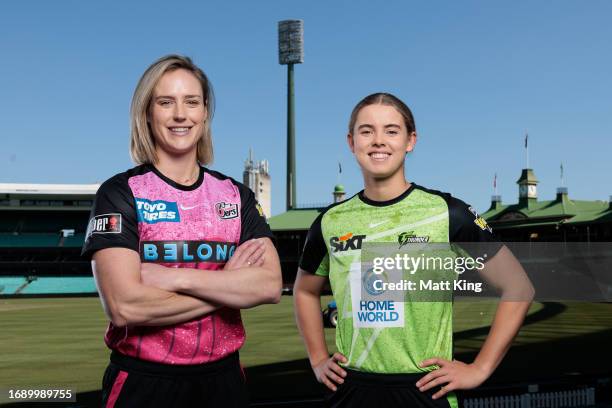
[
  {"x": 112, "y": 221},
  {"x": 470, "y": 230},
  {"x": 315, "y": 257},
  {"x": 253, "y": 221}
]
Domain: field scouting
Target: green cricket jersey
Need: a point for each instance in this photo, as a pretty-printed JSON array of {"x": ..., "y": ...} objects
[{"x": 414, "y": 331}]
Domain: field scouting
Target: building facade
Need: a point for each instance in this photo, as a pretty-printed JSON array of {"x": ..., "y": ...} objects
[{"x": 256, "y": 176}]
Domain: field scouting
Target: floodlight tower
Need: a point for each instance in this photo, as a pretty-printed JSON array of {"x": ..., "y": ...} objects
[{"x": 290, "y": 51}]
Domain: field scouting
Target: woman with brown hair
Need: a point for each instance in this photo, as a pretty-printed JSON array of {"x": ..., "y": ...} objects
[{"x": 396, "y": 353}]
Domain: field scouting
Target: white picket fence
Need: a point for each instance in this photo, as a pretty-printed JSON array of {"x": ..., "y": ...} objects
[{"x": 560, "y": 399}]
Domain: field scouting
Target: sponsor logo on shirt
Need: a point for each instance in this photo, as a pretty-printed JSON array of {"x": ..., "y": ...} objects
[
  {"x": 226, "y": 211},
  {"x": 153, "y": 212},
  {"x": 191, "y": 207},
  {"x": 186, "y": 251},
  {"x": 410, "y": 238},
  {"x": 374, "y": 312},
  {"x": 379, "y": 313},
  {"x": 104, "y": 224},
  {"x": 346, "y": 242},
  {"x": 377, "y": 224},
  {"x": 482, "y": 224}
]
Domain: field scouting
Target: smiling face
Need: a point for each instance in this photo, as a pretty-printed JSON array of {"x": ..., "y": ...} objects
[
  {"x": 380, "y": 140},
  {"x": 177, "y": 113}
]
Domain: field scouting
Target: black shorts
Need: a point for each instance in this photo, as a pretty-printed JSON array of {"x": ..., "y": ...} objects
[
  {"x": 131, "y": 382},
  {"x": 383, "y": 390}
]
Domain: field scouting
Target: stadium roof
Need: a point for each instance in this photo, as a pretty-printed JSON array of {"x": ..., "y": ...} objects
[
  {"x": 48, "y": 189},
  {"x": 561, "y": 210},
  {"x": 293, "y": 220},
  {"x": 526, "y": 213},
  {"x": 564, "y": 208}
]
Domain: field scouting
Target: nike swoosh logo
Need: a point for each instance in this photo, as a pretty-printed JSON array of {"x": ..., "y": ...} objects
[
  {"x": 184, "y": 207},
  {"x": 376, "y": 224}
]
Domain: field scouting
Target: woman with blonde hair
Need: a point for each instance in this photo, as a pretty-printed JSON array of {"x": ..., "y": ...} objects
[
  {"x": 396, "y": 353},
  {"x": 177, "y": 250}
]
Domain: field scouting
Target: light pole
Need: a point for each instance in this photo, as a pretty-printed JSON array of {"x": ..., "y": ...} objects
[{"x": 290, "y": 51}]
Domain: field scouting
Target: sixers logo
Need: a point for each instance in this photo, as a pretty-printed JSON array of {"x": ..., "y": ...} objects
[{"x": 226, "y": 211}]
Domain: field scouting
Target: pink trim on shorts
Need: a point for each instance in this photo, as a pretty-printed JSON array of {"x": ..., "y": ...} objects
[{"x": 117, "y": 386}]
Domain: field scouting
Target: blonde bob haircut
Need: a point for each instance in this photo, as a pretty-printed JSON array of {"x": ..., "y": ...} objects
[{"x": 142, "y": 142}]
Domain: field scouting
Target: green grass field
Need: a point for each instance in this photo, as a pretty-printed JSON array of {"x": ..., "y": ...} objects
[{"x": 59, "y": 342}]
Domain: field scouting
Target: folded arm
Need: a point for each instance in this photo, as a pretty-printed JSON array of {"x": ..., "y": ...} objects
[
  {"x": 127, "y": 301},
  {"x": 250, "y": 278}
]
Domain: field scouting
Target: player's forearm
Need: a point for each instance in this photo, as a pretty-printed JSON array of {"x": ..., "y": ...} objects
[
  {"x": 506, "y": 324},
  {"x": 149, "y": 306},
  {"x": 239, "y": 288},
  {"x": 310, "y": 323}
]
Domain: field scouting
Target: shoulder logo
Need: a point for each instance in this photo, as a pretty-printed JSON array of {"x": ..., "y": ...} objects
[
  {"x": 479, "y": 221},
  {"x": 261, "y": 211},
  {"x": 226, "y": 211},
  {"x": 104, "y": 224}
]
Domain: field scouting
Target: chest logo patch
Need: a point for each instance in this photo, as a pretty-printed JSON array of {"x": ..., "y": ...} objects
[
  {"x": 410, "y": 237},
  {"x": 153, "y": 212},
  {"x": 226, "y": 211},
  {"x": 376, "y": 311},
  {"x": 346, "y": 242}
]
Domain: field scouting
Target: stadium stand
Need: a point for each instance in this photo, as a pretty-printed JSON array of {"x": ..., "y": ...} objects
[
  {"x": 42, "y": 229},
  {"x": 60, "y": 285},
  {"x": 10, "y": 284}
]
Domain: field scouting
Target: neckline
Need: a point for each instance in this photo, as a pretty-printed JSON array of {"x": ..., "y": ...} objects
[
  {"x": 176, "y": 185},
  {"x": 385, "y": 203}
]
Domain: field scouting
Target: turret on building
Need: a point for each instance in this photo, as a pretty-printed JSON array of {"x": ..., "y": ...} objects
[
  {"x": 339, "y": 193},
  {"x": 528, "y": 188}
]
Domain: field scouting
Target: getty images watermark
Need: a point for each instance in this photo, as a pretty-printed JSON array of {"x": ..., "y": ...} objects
[
  {"x": 387, "y": 276},
  {"x": 430, "y": 272},
  {"x": 411, "y": 264}
]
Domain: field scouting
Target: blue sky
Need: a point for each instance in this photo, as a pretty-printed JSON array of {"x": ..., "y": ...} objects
[{"x": 477, "y": 75}]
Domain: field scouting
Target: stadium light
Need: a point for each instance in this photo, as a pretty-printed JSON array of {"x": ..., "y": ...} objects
[{"x": 290, "y": 52}]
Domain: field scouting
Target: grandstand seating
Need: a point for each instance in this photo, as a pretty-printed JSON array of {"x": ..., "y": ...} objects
[
  {"x": 75, "y": 241},
  {"x": 43, "y": 222},
  {"x": 8, "y": 224},
  {"x": 10, "y": 284},
  {"x": 42, "y": 240},
  {"x": 32, "y": 245},
  {"x": 57, "y": 285},
  {"x": 48, "y": 285}
]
